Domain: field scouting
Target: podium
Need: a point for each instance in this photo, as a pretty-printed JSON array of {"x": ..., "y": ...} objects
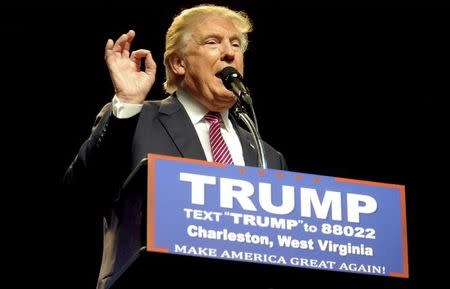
[
  {"x": 129, "y": 232},
  {"x": 197, "y": 221},
  {"x": 137, "y": 268}
]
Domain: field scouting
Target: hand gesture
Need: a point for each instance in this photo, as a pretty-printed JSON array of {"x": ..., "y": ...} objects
[{"x": 131, "y": 84}]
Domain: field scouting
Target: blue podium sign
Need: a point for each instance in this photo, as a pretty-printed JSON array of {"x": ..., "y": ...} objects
[{"x": 275, "y": 217}]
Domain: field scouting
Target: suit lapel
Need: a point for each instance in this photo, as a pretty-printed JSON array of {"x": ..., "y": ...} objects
[{"x": 177, "y": 123}]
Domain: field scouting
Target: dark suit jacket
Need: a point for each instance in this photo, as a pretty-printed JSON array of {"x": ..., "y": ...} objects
[{"x": 104, "y": 161}]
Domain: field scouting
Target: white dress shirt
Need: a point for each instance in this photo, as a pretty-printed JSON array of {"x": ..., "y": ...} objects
[{"x": 196, "y": 113}]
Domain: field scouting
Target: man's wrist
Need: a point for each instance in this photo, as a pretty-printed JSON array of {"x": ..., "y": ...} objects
[{"x": 123, "y": 110}]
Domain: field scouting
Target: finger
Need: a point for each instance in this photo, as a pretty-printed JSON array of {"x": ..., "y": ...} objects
[
  {"x": 150, "y": 64},
  {"x": 119, "y": 44},
  {"x": 127, "y": 43},
  {"x": 137, "y": 55},
  {"x": 108, "y": 47}
]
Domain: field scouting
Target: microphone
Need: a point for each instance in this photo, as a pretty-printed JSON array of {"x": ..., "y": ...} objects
[{"x": 232, "y": 80}]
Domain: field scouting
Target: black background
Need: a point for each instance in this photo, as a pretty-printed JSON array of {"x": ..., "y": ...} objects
[{"x": 339, "y": 89}]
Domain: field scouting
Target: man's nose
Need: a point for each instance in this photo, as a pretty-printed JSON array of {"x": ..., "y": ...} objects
[{"x": 228, "y": 51}]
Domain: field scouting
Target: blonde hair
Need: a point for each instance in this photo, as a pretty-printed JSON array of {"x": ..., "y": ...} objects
[{"x": 175, "y": 36}]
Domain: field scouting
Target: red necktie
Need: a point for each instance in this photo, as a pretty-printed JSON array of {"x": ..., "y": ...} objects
[{"x": 219, "y": 148}]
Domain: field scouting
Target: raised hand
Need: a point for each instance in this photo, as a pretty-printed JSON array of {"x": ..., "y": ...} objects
[{"x": 131, "y": 84}]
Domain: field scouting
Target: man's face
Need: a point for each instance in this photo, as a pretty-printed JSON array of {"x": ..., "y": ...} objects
[{"x": 213, "y": 45}]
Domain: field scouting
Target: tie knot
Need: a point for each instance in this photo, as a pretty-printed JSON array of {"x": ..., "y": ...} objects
[{"x": 213, "y": 117}]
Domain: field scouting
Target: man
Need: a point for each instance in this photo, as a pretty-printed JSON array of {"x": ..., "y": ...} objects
[{"x": 200, "y": 42}]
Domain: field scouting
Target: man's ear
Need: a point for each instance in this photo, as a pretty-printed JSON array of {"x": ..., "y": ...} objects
[{"x": 177, "y": 64}]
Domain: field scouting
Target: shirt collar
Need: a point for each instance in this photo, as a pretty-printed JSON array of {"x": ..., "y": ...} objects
[{"x": 197, "y": 111}]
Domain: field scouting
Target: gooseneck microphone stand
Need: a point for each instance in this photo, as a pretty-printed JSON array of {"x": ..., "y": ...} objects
[{"x": 241, "y": 113}]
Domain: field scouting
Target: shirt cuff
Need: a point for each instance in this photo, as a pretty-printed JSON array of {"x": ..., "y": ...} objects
[{"x": 124, "y": 110}]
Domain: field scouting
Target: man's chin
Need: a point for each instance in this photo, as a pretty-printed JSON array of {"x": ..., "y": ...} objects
[
  {"x": 229, "y": 97},
  {"x": 228, "y": 101},
  {"x": 223, "y": 105}
]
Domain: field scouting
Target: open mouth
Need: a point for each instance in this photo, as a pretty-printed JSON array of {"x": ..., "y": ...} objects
[{"x": 220, "y": 78}]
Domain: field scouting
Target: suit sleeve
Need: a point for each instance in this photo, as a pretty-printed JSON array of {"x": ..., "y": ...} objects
[{"x": 104, "y": 159}]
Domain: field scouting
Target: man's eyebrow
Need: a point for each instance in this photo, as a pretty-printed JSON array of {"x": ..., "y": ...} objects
[
  {"x": 218, "y": 36},
  {"x": 212, "y": 34}
]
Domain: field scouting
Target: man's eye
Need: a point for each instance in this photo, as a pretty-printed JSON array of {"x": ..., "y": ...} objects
[
  {"x": 211, "y": 42},
  {"x": 236, "y": 44}
]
